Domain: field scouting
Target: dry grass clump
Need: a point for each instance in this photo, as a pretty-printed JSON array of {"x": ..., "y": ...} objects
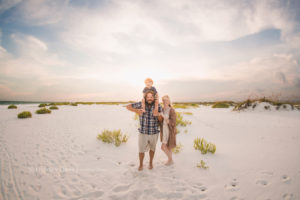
[
  {"x": 177, "y": 149},
  {"x": 12, "y": 106},
  {"x": 25, "y": 114},
  {"x": 180, "y": 121},
  {"x": 202, "y": 165},
  {"x": 43, "y": 111},
  {"x": 114, "y": 136},
  {"x": 202, "y": 145}
]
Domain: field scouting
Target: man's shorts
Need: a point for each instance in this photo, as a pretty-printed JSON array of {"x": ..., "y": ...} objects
[{"x": 147, "y": 142}]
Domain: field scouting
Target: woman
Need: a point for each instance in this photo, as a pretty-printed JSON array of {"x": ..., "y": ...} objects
[{"x": 168, "y": 129}]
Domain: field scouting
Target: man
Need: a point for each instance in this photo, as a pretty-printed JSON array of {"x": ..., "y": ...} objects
[{"x": 148, "y": 131}]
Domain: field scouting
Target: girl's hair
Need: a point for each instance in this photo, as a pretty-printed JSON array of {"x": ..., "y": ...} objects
[
  {"x": 167, "y": 97},
  {"x": 148, "y": 79}
]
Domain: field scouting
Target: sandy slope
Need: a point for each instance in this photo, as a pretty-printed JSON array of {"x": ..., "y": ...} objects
[{"x": 57, "y": 156}]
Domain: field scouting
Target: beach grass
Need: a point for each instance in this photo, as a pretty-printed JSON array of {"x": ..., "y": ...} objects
[
  {"x": 136, "y": 116},
  {"x": 116, "y": 137},
  {"x": 12, "y": 106},
  {"x": 180, "y": 121},
  {"x": 187, "y": 113},
  {"x": 251, "y": 103},
  {"x": 202, "y": 165},
  {"x": 62, "y": 103},
  {"x": 202, "y": 145},
  {"x": 53, "y": 108},
  {"x": 220, "y": 105},
  {"x": 74, "y": 104},
  {"x": 42, "y": 105},
  {"x": 185, "y": 105},
  {"x": 43, "y": 111},
  {"x": 25, "y": 114},
  {"x": 177, "y": 149}
]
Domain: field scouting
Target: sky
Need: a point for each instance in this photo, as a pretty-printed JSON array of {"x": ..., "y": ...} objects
[{"x": 194, "y": 50}]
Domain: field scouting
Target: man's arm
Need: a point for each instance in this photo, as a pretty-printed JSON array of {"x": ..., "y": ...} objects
[{"x": 138, "y": 111}]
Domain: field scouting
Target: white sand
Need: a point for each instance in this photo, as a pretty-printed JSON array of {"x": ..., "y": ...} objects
[{"x": 57, "y": 156}]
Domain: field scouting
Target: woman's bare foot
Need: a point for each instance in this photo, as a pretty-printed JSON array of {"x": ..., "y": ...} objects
[
  {"x": 150, "y": 167},
  {"x": 170, "y": 162},
  {"x": 140, "y": 168}
]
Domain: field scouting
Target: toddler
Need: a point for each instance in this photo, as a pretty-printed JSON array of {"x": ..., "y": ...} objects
[{"x": 149, "y": 83}]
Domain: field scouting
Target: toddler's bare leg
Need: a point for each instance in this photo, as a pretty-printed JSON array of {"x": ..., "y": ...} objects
[
  {"x": 143, "y": 105},
  {"x": 155, "y": 111}
]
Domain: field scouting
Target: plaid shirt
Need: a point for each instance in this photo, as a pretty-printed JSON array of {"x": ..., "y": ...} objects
[{"x": 148, "y": 123}]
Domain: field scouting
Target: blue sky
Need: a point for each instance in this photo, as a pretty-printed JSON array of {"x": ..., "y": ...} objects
[{"x": 194, "y": 50}]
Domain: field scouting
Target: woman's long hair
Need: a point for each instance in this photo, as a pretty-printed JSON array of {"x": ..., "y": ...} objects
[{"x": 167, "y": 97}]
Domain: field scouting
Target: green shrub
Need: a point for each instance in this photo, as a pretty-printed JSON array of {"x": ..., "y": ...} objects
[
  {"x": 53, "y": 108},
  {"x": 177, "y": 149},
  {"x": 52, "y": 104},
  {"x": 114, "y": 136},
  {"x": 187, "y": 113},
  {"x": 220, "y": 105},
  {"x": 62, "y": 103},
  {"x": 25, "y": 114},
  {"x": 185, "y": 105},
  {"x": 252, "y": 103},
  {"x": 202, "y": 165},
  {"x": 136, "y": 116},
  {"x": 12, "y": 106},
  {"x": 202, "y": 145},
  {"x": 180, "y": 121},
  {"x": 43, "y": 111},
  {"x": 111, "y": 103},
  {"x": 42, "y": 105}
]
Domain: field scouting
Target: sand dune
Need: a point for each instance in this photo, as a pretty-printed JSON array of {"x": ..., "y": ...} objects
[{"x": 57, "y": 156}]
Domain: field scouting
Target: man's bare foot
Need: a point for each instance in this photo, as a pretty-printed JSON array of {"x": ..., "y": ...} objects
[
  {"x": 169, "y": 163},
  {"x": 150, "y": 167},
  {"x": 140, "y": 168}
]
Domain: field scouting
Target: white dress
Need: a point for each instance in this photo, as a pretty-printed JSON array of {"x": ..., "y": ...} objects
[{"x": 165, "y": 137}]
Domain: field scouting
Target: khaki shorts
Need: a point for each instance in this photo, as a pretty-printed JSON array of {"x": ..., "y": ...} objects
[{"x": 147, "y": 142}]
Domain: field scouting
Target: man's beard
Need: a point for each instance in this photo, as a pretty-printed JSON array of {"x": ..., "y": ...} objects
[{"x": 149, "y": 104}]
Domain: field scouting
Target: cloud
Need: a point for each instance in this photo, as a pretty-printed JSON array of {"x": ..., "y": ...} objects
[
  {"x": 217, "y": 48},
  {"x": 277, "y": 75},
  {"x": 7, "y": 4}
]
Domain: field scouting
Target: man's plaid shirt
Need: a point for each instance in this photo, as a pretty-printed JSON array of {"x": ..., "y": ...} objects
[{"x": 148, "y": 123}]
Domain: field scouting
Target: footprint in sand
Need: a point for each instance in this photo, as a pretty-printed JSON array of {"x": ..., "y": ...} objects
[
  {"x": 36, "y": 188},
  {"x": 200, "y": 187},
  {"x": 287, "y": 196},
  {"x": 285, "y": 179},
  {"x": 121, "y": 188},
  {"x": 267, "y": 173},
  {"x": 91, "y": 195},
  {"x": 262, "y": 182},
  {"x": 235, "y": 198},
  {"x": 232, "y": 186}
]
